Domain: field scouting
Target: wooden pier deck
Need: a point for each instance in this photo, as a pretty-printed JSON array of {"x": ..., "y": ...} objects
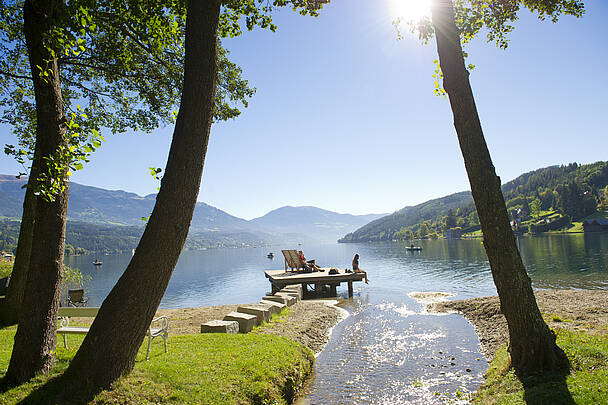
[{"x": 280, "y": 279}]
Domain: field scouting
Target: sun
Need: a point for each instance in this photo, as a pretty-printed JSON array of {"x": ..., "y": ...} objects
[{"x": 410, "y": 10}]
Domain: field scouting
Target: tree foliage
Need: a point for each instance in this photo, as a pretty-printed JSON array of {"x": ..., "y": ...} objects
[{"x": 121, "y": 68}]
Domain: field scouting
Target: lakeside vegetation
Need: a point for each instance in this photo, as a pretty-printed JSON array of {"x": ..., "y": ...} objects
[
  {"x": 6, "y": 268},
  {"x": 555, "y": 198},
  {"x": 587, "y": 382},
  {"x": 201, "y": 368}
]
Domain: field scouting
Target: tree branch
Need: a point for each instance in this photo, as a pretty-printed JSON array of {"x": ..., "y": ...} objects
[{"x": 14, "y": 76}]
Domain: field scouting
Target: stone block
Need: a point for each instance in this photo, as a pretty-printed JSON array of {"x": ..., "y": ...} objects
[
  {"x": 275, "y": 307},
  {"x": 295, "y": 288},
  {"x": 275, "y": 298},
  {"x": 218, "y": 326},
  {"x": 246, "y": 321},
  {"x": 261, "y": 312},
  {"x": 290, "y": 293},
  {"x": 290, "y": 299}
]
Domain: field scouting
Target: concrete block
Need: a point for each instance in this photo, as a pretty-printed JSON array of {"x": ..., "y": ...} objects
[
  {"x": 290, "y": 299},
  {"x": 295, "y": 288},
  {"x": 275, "y": 298},
  {"x": 261, "y": 312},
  {"x": 218, "y": 326},
  {"x": 275, "y": 307},
  {"x": 290, "y": 293},
  {"x": 246, "y": 321}
]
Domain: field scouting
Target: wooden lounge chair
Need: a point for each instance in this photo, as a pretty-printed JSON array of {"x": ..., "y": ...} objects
[{"x": 292, "y": 260}]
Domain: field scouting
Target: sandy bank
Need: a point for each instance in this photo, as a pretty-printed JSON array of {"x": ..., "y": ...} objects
[
  {"x": 308, "y": 323},
  {"x": 581, "y": 310}
]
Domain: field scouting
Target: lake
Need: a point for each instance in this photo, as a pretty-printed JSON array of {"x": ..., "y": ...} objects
[{"x": 388, "y": 350}]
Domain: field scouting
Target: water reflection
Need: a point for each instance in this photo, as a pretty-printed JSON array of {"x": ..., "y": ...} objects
[{"x": 389, "y": 352}]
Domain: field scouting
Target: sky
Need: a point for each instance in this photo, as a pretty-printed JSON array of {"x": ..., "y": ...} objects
[{"x": 345, "y": 119}]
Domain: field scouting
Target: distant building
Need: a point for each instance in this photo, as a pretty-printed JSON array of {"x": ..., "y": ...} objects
[
  {"x": 453, "y": 233},
  {"x": 595, "y": 225}
]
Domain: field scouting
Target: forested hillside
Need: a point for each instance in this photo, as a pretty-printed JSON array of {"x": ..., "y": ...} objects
[
  {"x": 110, "y": 221},
  {"x": 552, "y": 198}
]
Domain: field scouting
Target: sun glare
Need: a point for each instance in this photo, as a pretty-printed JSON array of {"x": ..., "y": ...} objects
[{"x": 410, "y": 10}]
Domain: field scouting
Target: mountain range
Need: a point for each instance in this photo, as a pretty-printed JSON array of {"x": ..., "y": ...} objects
[{"x": 93, "y": 207}]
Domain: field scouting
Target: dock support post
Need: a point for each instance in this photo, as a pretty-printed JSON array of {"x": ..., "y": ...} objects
[
  {"x": 332, "y": 290},
  {"x": 350, "y": 289}
]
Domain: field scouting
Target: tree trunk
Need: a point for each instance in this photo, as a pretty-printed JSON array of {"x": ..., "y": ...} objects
[
  {"x": 110, "y": 347},
  {"x": 33, "y": 351},
  {"x": 531, "y": 342},
  {"x": 11, "y": 305}
]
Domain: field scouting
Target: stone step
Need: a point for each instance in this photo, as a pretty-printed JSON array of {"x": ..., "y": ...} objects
[
  {"x": 218, "y": 326},
  {"x": 261, "y": 311},
  {"x": 275, "y": 298},
  {"x": 275, "y": 307},
  {"x": 290, "y": 293},
  {"x": 290, "y": 298},
  {"x": 296, "y": 288},
  {"x": 246, "y": 321}
]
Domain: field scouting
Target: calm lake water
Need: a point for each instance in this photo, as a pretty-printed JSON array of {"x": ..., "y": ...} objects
[{"x": 388, "y": 350}]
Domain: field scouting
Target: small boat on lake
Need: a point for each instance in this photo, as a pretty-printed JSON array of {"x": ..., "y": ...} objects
[
  {"x": 270, "y": 255},
  {"x": 97, "y": 262},
  {"x": 413, "y": 248}
]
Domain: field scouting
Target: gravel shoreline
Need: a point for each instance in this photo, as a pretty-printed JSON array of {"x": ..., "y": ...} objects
[
  {"x": 580, "y": 310},
  {"x": 309, "y": 322}
]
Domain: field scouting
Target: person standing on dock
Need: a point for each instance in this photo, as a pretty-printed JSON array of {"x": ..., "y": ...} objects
[{"x": 356, "y": 268}]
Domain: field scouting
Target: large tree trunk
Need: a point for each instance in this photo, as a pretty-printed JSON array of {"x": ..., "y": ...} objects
[
  {"x": 11, "y": 305},
  {"x": 110, "y": 347},
  {"x": 531, "y": 342},
  {"x": 33, "y": 351}
]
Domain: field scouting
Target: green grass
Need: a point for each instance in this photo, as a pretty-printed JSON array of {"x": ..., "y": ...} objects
[
  {"x": 6, "y": 268},
  {"x": 202, "y": 369},
  {"x": 476, "y": 234},
  {"x": 587, "y": 382}
]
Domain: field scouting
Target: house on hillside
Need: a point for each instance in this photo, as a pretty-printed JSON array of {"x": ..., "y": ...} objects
[{"x": 595, "y": 225}]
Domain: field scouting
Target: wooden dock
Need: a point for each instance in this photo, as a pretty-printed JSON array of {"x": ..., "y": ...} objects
[{"x": 318, "y": 280}]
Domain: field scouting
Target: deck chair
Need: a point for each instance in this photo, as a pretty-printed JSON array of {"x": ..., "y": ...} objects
[
  {"x": 76, "y": 298},
  {"x": 292, "y": 260}
]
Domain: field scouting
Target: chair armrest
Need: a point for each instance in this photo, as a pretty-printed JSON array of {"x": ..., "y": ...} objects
[
  {"x": 64, "y": 321},
  {"x": 163, "y": 327}
]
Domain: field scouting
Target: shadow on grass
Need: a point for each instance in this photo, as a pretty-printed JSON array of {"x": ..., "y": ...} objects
[
  {"x": 54, "y": 392},
  {"x": 547, "y": 389}
]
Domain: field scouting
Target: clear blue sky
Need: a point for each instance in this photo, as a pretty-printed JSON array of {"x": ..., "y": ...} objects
[{"x": 345, "y": 118}]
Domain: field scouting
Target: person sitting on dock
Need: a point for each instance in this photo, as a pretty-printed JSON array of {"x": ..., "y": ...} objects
[
  {"x": 309, "y": 265},
  {"x": 356, "y": 268}
]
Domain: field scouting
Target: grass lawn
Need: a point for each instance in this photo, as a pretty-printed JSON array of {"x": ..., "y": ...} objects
[
  {"x": 587, "y": 382},
  {"x": 201, "y": 368}
]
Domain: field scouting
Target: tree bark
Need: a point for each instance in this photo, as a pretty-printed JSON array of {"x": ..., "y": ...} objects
[
  {"x": 531, "y": 342},
  {"x": 35, "y": 341},
  {"x": 110, "y": 348},
  {"x": 11, "y": 305}
]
